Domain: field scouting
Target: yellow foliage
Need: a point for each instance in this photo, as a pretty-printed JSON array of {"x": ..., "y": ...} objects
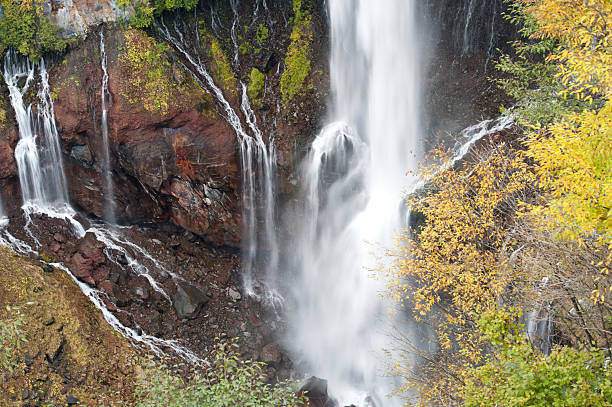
[
  {"x": 585, "y": 29},
  {"x": 574, "y": 157},
  {"x": 448, "y": 271},
  {"x": 574, "y": 154}
]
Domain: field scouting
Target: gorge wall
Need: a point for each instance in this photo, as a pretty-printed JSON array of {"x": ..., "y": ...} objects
[{"x": 175, "y": 158}]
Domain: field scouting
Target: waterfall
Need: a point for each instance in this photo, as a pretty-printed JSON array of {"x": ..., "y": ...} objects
[
  {"x": 41, "y": 174},
  {"x": 43, "y": 187},
  {"x": 258, "y": 179},
  {"x": 3, "y": 218},
  {"x": 353, "y": 180},
  {"x": 109, "y": 202},
  {"x": 38, "y": 154}
]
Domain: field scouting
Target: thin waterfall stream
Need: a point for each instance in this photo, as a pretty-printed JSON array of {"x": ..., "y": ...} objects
[
  {"x": 258, "y": 171},
  {"x": 44, "y": 191},
  {"x": 109, "y": 202}
]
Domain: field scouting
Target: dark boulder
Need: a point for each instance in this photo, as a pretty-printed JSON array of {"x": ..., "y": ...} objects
[
  {"x": 188, "y": 300},
  {"x": 315, "y": 390}
]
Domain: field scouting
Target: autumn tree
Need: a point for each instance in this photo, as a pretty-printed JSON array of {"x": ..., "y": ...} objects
[{"x": 521, "y": 227}]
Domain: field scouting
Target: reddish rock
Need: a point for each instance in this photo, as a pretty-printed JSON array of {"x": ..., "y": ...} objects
[
  {"x": 82, "y": 268},
  {"x": 88, "y": 262},
  {"x": 8, "y": 166}
]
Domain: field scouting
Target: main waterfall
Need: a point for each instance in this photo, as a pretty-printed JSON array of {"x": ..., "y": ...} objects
[{"x": 353, "y": 180}]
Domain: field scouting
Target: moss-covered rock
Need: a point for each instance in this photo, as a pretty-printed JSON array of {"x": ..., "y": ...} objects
[
  {"x": 67, "y": 347},
  {"x": 150, "y": 80},
  {"x": 220, "y": 67},
  {"x": 297, "y": 60},
  {"x": 256, "y": 86}
]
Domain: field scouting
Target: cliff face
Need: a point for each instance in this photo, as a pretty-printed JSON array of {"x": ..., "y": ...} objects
[{"x": 173, "y": 155}]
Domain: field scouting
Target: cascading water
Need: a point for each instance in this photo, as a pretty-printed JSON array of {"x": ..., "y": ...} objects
[
  {"x": 38, "y": 154},
  {"x": 258, "y": 165},
  {"x": 43, "y": 185},
  {"x": 109, "y": 202},
  {"x": 3, "y": 218},
  {"x": 353, "y": 182},
  {"x": 44, "y": 190}
]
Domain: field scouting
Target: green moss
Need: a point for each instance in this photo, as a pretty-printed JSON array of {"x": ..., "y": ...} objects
[
  {"x": 146, "y": 10},
  {"x": 221, "y": 69},
  {"x": 46, "y": 258},
  {"x": 25, "y": 28},
  {"x": 297, "y": 60},
  {"x": 256, "y": 86},
  {"x": 153, "y": 82},
  {"x": 224, "y": 72},
  {"x": 262, "y": 34},
  {"x": 2, "y": 118}
]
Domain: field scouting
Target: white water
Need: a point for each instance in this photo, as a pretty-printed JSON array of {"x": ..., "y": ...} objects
[
  {"x": 353, "y": 183},
  {"x": 43, "y": 185},
  {"x": 38, "y": 154},
  {"x": 3, "y": 218},
  {"x": 258, "y": 172},
  {"x": 109, "y": 202}
]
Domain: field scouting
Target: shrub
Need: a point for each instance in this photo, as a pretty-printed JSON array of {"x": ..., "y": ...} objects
[
  {"x": 11, "y": 337},
  {"x": 226, "y": 381},
  {"x": 25, "y": 28}
]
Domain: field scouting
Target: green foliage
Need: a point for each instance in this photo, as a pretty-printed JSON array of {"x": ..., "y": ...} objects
[
  {"x": 256, "y": 86},
  {"x": 516, "y": 375},
  {"x": 11, "y": 338},
  {"x": 46, "y": 258},
  {"x": 530, "y": 78},
  {"x": 221, "y": 70},
  {"x": 297, "y": 60},
  {"x": 262, "y": 34},
  {"x": 226, "y": 381},
  {"x": 145, "y": 11},
  {"x": 25, "y": 28},
  {"x": 151, "y": 80}
]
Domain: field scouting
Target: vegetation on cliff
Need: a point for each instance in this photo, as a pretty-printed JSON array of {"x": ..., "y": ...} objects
[
  {"x": 145, "y": 11},
  {"x": 25, "y": 28},
  {"x": 221, "y": 68},
  {"x": 520, "y": 234},
  {"x": 54, "y": 343},
  {"x": 256, "y": 86},
  {"x": 151, "y": 80},
  {"x": 297, "y": 61},
  {"x": 227, "y": 381}
]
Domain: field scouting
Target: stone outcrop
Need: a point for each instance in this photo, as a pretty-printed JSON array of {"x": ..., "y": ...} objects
[{"x": 76, "y": 17}]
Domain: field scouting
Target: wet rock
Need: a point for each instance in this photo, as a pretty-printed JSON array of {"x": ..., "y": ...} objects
[
  {"x": 87, "y": 263},
  {"x": 315, "y": 389},
  {"x": 82, "y": 154},
  {"x": 233, "y": 294},
  {"x": 271, "y": 353},
  {"x": 71, "y": 400},
  {"x": 188, "y": 300},
  {"x": 140, "y": 292},
  {"x": 8, "y": 165},
  {"x": 59, "y": 237}
]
